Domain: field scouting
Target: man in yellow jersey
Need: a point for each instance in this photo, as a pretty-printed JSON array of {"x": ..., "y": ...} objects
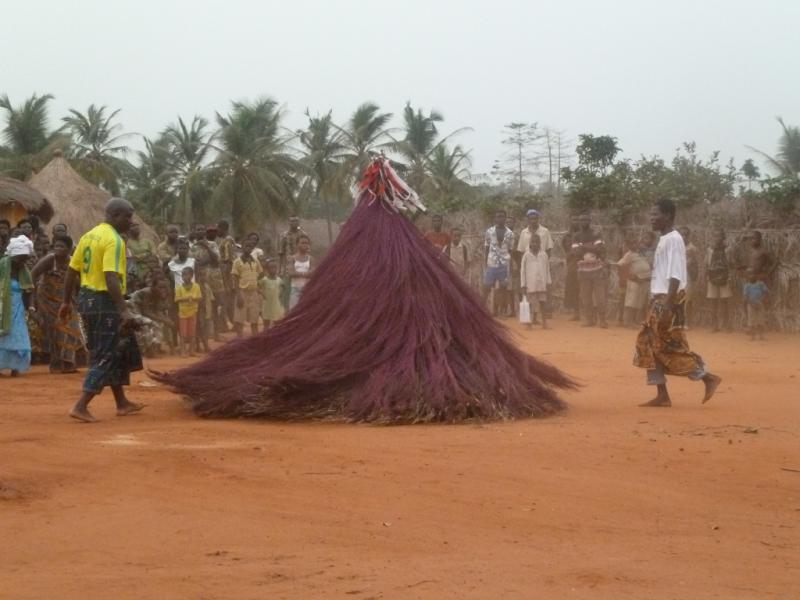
[{"x": 98, "y": 267}]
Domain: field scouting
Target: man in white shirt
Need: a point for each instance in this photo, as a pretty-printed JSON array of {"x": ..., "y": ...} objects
[
  {"x": 535, "y": 226},
  {"x": 661, "y": 345},
  {"x": 498, "y": 243}
]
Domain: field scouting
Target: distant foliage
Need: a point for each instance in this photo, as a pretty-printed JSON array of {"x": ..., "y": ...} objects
[
  {"x": 623, "y": 188},
  {"x": 245, "y": 165}
]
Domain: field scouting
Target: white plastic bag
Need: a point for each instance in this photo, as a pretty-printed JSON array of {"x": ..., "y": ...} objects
[{"x": 524, "y": 311}]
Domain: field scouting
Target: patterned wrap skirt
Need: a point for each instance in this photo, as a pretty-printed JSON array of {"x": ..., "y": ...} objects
[
  {"x": 113, "y": 354},
  {"x": 661, "y": 343}
]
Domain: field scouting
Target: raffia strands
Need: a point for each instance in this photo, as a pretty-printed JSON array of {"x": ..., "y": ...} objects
[{"x": 386, "y": 332}]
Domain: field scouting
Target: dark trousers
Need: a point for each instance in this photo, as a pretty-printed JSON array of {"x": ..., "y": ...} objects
[{"x": 593, "y": 292}]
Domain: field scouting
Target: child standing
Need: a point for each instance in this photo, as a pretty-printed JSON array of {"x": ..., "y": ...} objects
[
  {"x": 635, "y": 271},
  {"x": 187, "y": 297},
  {"x": 270, "y": 289},
  {"x": 205, "y": 312},
  {"x": 756, "y": 294},
  {"x": 245, "y": 273},
  {"x": 535, "y": 277},
  {"x": 458, "y": 252},
  {"x": 299, "y": 269}
]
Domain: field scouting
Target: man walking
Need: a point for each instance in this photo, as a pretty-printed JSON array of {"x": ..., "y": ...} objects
[
  {"x": 661, "y": 345},
  {"x": 98, "y": 266}
]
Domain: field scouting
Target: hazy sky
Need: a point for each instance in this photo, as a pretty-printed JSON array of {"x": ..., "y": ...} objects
[{"x": 651, "y": 73}]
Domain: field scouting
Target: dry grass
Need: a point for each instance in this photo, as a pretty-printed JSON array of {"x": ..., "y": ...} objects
[
  {"x": 29, "y": 198},
  {"x": 76, "y": 202}
]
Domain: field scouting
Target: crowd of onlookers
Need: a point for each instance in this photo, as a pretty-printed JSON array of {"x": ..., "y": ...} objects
[
  {"x": 185, "y": 290},
  {"x": 195, "y": 285},
  {"x": 517, "y": 273}
]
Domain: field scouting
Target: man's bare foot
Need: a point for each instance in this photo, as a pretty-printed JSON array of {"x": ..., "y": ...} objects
[
  {"x": 712, "y": 383},
  {"x": 657, "y": 402},
  {"x": 129, "y": 409},
  {"x": 82, "y": 415}
]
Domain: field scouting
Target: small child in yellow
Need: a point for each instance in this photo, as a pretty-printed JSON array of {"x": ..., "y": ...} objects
[
  {"x": 270, "y": 289},
  {"x": 187, "y": 297}
]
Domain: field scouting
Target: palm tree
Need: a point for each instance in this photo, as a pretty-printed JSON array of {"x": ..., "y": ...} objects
[
  {"x": 364, "y": 134},
  {"x": 323, "y": 159},
  {"x": 29, "y": 144},
  {"x": 750, "y": 171},
  {"x": 189, "y": 147},
  {"x": 255, "y": 168},
  {"x": 447, "y": 171},
  {"x": 787, "y": 159},
  {"x": 148, "y": 182},
  {"x": 96, "y": 150},
  {"x": 420, "y": 142}
]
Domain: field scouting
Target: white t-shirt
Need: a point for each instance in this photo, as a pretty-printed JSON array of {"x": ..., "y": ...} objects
[
  {"x": 176, "y": 268},
  {"x": 670, "y": 263},
  {"x": 544, "y": 236},
  {"x": 301, "y": 266}
]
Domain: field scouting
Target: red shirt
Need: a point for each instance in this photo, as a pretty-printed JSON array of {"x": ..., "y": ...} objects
[{"x": 439, "y": 239}]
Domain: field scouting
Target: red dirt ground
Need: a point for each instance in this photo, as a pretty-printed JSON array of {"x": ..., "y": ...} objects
[{"x": 607, "y": 501}]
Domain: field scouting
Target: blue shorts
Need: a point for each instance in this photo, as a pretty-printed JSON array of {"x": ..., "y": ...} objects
[{"x": 496, "y": 275}]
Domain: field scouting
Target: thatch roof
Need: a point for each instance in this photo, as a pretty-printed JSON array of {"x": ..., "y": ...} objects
[
  {"x": 29, "y": 198},
  {"x": 77, "y": 203}
]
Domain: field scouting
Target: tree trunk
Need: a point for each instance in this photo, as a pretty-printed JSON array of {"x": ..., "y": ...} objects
[{"x": 328, "y": 218}]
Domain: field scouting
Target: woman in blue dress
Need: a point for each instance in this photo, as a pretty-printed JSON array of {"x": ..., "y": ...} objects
[{"x": 15, "y": 291}]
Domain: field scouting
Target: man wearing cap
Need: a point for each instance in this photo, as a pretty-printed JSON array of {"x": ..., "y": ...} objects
[{"x": 534, "y": 226}]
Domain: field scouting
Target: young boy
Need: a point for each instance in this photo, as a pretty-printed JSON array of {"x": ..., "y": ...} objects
[
  {"x": 458, "y": 252},
  {"x": 269, "y": 287},
  {"x": 245, "y": 273},
  {"x": 756, "y": 295},
  {"x": 535, "y": 278},
  {"x": 635, "y": 271},
  {"x": 718, "y": 288},
  {"x": 187, "y": 297},
  {"x": 180, "y": 261},
  {"x": 300, "y": 269}
]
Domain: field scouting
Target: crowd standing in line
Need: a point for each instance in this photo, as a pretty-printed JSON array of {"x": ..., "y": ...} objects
[
  {"x": 586, "y": 278},
  {"x": 179, "y": 292}
]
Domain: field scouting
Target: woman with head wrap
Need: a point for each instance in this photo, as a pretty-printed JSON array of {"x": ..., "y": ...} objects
[{"x": 15, "y": 290}]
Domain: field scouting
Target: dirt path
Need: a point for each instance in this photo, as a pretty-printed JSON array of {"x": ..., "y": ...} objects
[{"x": 607, "y": 501}]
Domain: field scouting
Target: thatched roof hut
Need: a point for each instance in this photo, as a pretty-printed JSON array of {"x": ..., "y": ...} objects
[
  {"x": 18, "y": 200},
  {"x": 77, "y": 203}
]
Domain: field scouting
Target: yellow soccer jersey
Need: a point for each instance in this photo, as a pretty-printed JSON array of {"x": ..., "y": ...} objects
[{"x": 100, "y": 251}]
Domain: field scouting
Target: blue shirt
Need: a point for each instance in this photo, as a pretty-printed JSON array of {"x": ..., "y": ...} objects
[{"x": 755, "y": 293}]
